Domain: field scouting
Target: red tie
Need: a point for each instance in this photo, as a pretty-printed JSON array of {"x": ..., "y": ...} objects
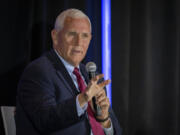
[{"x": 95, "y": 126}]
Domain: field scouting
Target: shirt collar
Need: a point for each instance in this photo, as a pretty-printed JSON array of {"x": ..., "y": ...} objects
[{"x": 69, "y": 67}]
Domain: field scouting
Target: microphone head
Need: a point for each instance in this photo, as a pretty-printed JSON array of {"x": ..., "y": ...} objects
[{"x": 91, "y": 67}]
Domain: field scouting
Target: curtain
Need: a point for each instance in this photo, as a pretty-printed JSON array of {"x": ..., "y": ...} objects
[{"x": 145, "y": 66}]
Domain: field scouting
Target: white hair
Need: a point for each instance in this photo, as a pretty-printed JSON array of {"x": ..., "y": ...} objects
[{"x": 74, "y": 13}]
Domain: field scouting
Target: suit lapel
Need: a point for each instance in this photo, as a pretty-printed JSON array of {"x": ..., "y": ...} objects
[{"x": 62, "y": 72}]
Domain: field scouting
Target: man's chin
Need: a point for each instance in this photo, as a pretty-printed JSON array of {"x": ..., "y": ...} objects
[{"x": 74, "y": 62}]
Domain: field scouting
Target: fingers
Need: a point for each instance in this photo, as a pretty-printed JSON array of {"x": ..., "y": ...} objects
[
  {"x": 104, "y": 103},
  {"x": 100, "y": 96},
  {"x": 104, "y": 83},
  {"x": 94, "y": 87},
  {"x": 100, "y": 86},
  {"x": 97, "y": 77},
  {"x": 102, "y": 100}
]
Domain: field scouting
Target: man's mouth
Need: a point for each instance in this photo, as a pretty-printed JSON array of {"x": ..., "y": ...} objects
[{"x": 76, "y": 51}]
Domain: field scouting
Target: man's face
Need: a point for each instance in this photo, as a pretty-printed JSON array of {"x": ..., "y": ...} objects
[{"x": 73, "y": 40}]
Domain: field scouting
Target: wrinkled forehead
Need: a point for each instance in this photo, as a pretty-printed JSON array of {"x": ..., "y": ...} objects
[{"x": 77, "y": 23}]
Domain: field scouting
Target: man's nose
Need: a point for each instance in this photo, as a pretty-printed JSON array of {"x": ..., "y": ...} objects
[{"x": 78, "y": 40}]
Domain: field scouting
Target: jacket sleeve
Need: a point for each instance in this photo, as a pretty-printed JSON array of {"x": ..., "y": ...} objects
[
  {"x": 116, "y": 125},
  {"x": 36, "y": 94}
]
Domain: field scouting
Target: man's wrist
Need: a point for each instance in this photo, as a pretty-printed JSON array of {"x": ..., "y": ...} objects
[
  {"x": 82, "y": 98},
  {"x": 86, "y": 97},
  {"x": 109, "y": 129},
  {"x": 102, "y": 120},
  {"x": 80, "y": 109},
  {"x": 106, "y": 124}
]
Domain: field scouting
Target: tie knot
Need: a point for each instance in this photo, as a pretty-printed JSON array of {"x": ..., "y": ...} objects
[
  {"x": 76, "y": 71},
  {"x": 80, "y": 81}
]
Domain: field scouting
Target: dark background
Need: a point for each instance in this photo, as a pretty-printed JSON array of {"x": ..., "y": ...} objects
[{"x": 145, "y": 55}]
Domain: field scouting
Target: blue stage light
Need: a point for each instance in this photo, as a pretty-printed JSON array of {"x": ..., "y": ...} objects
[{"x": 106, "y": 42}]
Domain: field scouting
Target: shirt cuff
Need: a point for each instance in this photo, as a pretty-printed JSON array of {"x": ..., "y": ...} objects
[
  {"x": 80, "y": 110},
  {"x": 110, "y": 130}
]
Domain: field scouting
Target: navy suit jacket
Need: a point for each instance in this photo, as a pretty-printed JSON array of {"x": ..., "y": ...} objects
[{"x": 46, "y": 100}]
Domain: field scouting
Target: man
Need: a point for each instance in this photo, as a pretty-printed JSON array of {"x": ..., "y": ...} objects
[{"x": 55, "y": 93}]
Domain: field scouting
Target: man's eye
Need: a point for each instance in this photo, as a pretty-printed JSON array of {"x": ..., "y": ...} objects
[
  {"x": 72, "y": 33},
  {"x": 85, "y": 35}
]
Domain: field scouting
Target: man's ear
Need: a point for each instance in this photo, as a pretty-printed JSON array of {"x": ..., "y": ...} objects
[{"x": 54, "y": 36}]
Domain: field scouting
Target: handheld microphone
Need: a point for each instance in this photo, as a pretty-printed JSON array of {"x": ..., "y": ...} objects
[{"x": 91, "y": 68}]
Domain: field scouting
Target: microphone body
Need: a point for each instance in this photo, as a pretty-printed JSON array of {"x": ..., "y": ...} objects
[{"x": 91, "y": 68}]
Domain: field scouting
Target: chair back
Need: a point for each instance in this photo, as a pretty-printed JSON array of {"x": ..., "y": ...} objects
[{"x": 8, "y": 113}]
